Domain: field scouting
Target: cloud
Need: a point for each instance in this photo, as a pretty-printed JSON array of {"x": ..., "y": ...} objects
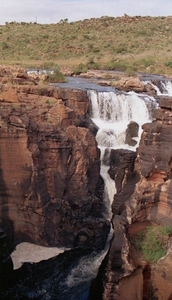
[{"x": 51, "y": 11}]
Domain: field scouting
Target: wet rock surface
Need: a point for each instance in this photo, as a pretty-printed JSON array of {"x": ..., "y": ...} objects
[{"x": 132, "y": 133}]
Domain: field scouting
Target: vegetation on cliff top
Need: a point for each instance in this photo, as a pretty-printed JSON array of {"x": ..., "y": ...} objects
[
  {"x": 55, "y": 76},
  {"x": 152, "y": 243},
  {"x": 127, "y": 44}
]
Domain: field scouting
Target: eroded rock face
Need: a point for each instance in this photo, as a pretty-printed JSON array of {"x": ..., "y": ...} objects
[
  {"x": 150, "y": 201},
  {"x": 123, "y": 172},
  {"x": 153, "y": 193},
  {"x": 161, "y": 279},
  {"x": 117, "y": 263},
  {"x": 129, "y": 84},
  {"x": 50, "y": 168},
  {"x": 134, "y": 84},
  {"x": 132, "y": 133},
  {"x": 15, "y": 75}
]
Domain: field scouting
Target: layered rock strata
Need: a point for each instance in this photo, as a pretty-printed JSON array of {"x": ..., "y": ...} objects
[
  {"x": 143, "y": 198},
  {"x": 49, "y": 168}
]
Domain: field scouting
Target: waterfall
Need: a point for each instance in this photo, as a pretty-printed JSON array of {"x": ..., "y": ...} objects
[
  {"x": 164, "y": 87},
  {"x": 112, "y": 113},
  {"x": 109, "y": 184},
  {"x": 86, "y": 269},
  {"x": 168, "y": 86}
]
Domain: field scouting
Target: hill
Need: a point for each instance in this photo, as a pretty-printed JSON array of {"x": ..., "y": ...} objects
[{"x": 125, "y": 43}]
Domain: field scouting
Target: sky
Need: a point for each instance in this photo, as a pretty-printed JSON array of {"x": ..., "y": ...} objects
[{"x": 52, "y": 11}]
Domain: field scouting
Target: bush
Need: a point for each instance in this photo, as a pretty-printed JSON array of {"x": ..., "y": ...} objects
[
  {"x": 168, "y": 64},
  {"x": 131, "y": 71},
  {"x": 4, "y": 45},
  {"x": 81, "y": 68},
  {"x": 147, "y": 62},
  {"x": 92, "y": 64},
  {"x": 152, "y": 243},
  {"x": 117, "y": 65},
  {"x": 56, "y": 76},
  {"x": 50, "y": 65}
]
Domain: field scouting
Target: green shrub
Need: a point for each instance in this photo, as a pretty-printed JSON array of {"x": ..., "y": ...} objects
[
  {"x": 117, "y": 65},
  {"x": 4, "y": 45},
  {"x": 131, "y": 71},
  {"x": 90, "y": 46},
  {"x": 148, "y": 62},
  {"x": 165, "y": 230},
  {"x": 49, "y": 102},
  {"x": 48, "y": 65},
  {"x": 86, "y": 36},
  {"x": 95, "y": 50},
  {"x": 152, "y": 243},
  {"x": 45, "y": 36},
  {"x": 56, "y": 76},
  {"x": 152, "y": 246},
  {"x": 81, "y": 68},
  {"x": 168, "y": 64},
  {"x": 121, "y": 49},
  {"x": 92, "y": 64}
]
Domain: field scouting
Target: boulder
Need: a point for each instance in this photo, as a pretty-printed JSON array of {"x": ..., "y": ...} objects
[
  {"x": 131, "y": 133},
  {"x": 15, "y": 75},
  {"x": 129, "y": 84}
]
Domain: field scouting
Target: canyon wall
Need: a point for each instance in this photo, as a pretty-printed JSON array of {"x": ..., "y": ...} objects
[
  {"x": 51, "y": 191},
  {"x": 143, "y": 198},
  {"x": 49, "y": 166}
]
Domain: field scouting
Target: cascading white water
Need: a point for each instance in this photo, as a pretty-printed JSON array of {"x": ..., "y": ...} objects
[
  {"x": 86, "y": 268},
  {"x": 166, "y": 87},
  {"x": 112, "y": 113},
  {"x": 109, "y": 185}
]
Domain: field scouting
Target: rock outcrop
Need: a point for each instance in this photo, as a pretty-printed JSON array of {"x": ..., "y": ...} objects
[
  {"x": 15, "y": 75},
  {"x": 134, "y": 84},
  {"x": 51, "y": 191},
  {"x": 146, "y": 201},
  {"x": 50, "y": 167}
]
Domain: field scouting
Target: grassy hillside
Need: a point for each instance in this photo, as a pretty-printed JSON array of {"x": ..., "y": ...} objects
[{"x": 126, "y": 43}]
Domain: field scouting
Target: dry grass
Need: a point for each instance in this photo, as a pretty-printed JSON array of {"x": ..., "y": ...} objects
[{"x": 126, "y": 43}]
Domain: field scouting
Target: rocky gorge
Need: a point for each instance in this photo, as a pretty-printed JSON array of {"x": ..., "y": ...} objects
[{"x": 52, "y": 191}]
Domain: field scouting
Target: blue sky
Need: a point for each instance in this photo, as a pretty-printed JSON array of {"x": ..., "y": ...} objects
[{"x": 52, "y": 11}]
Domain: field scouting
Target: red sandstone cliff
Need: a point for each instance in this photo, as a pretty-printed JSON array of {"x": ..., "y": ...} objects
[
  {"x": 49, "y": 166},
  {"x": 51, "y": 190},
  {"x": 137, "y": 204}
]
